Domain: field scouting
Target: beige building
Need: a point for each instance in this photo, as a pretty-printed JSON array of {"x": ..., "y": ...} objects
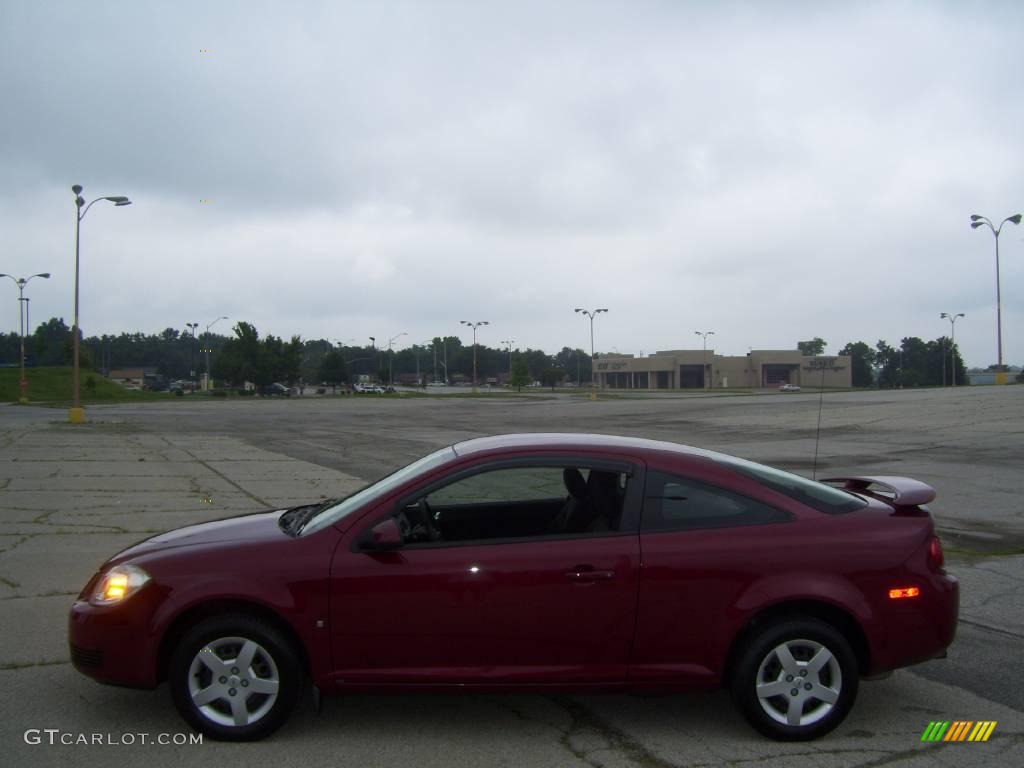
[{"x": 697, "y": 369}]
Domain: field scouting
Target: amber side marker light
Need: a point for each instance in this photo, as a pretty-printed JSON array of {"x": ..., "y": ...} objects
[{"x": 899, "y": 594}]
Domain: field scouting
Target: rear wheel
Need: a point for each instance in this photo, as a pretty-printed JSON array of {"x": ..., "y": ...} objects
[
  {"x": 796, "y": 679},
  {"x": 235, "y": 678}
]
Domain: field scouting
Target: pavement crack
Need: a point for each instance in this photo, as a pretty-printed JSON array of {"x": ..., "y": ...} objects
[
  {"x": 990, "y": 628},
  {"x": 24, "y": 537},
  {"x": 218, "y": 473},
  {"x": 585, "y": 721},
  {"x": 54, "y": 593},
  {"x": 11, "y": 665}
]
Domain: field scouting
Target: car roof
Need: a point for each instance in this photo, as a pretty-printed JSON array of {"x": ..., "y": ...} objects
[{"x": 575, "y": 441}]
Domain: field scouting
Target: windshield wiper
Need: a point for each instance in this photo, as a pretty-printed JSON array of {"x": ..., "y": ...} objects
[
  {"x": 309, "y": 513},
  {"x": 293, "y": 521}
]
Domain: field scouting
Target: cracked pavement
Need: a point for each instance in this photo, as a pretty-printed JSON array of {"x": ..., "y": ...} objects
[{"x": 72, "y": 496}]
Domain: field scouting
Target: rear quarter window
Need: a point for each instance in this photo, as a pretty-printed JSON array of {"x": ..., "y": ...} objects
[
  {"x": 675, "y": 503},
  {"x": 815, "y": 495}
]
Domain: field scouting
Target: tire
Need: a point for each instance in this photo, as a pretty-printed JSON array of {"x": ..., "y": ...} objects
[
  {"x": 820, "y": 667},
  {"x": 235, "y": 702}
]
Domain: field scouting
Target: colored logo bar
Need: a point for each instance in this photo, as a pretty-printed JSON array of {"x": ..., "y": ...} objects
[{"x": 958, "y": 730}]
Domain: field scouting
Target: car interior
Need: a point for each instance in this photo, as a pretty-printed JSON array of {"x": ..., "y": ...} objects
[{"x": 516, "y": 503}]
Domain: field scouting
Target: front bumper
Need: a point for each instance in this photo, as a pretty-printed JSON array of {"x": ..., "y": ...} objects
[{"x": 114, "y": 644}]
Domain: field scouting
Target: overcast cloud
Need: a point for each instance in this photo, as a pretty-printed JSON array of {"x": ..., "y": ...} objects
[{"x": 771, "y": 171}]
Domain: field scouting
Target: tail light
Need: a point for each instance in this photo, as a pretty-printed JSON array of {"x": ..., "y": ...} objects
[{"x": 935, "y": 557}]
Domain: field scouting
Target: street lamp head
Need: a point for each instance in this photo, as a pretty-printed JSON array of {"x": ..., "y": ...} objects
[
  {"x": 1015, "y": 218},
  {"x": 976, "y": 224},
  {"x": 976, "y": 217},
  {"x": 484, "y": 322},
  {"x": 77, "y": 189},
  {"x": 578, "y": 309},
  {"x": 45, "y": 275},
  {"x": 943, "y": 314},
  {"x": 600, "y": 310}
]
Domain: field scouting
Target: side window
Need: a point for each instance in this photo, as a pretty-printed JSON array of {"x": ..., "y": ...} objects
[
  {"x": 518, "y": 483},
  {"x": 519, "y": 502},
  {"x": 679, "y": 504}
]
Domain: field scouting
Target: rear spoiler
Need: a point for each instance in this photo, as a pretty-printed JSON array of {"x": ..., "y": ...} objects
[{"x": 905, "y": 491}]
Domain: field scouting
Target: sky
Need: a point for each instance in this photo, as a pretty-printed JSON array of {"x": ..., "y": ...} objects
[{"x": 771, "y": 171}]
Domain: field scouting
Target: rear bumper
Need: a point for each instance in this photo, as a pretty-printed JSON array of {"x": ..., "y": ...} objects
[{"x": 919, "y": 629}]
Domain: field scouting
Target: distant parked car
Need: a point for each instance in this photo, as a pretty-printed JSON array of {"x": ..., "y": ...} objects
[
  {"x": 789, "y": 388},
  {"x": 276, "y": 389}
]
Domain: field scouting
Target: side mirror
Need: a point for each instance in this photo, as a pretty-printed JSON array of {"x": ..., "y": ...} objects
[{"x": 384, "y": 536}]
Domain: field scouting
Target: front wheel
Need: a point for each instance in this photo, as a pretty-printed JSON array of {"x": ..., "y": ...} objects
[
  {"x": 796, "y": 679},
  {"x": 235, "y": 678}
]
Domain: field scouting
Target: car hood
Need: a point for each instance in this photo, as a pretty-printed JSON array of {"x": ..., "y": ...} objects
[{"x": 257, "y": 526}]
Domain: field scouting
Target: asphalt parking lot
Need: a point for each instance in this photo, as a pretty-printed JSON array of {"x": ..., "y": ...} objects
[{"x": 72, "y": 496}]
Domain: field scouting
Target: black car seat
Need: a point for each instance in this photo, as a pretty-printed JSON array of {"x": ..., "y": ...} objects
[
  {"x": 577, "y": 503},
  {"x": 605, "y": 500}
]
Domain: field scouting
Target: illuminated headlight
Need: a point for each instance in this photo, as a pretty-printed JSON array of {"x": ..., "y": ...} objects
[{"x": 118, "y": 584}]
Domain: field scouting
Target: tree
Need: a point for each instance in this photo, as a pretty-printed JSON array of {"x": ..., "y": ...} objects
[
  {"x": 550, "y": 377},
  {"x": 239, "y": 360},
  {"x": 574, "y": 362},
  {"x": 862, "y": 360},
  {"x": 52, "y": 342},
  {"x": 887, "y": 363},
  {"x": 332, "y": 369},
  {"x": 915, "y": 371},
  {"x": 520, "y": 372},
  {"x": 815, "y": 346}
]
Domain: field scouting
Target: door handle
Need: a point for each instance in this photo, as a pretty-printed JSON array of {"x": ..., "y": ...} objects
[{"x": 587, "y": 573}]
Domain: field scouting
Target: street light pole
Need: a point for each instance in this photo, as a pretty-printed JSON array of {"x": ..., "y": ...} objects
[
  {"x": 206, "y": 352},
  {"x": 474, "y": 326},
  {"x": 77, "y": 414},
  {"x": 593, "y": 375},
  {"x": 21, "y": 282},
  {"x": 373, "y": 354},
  {"x": 391, "y": 357},
  {"x": 704, "y": 335},
  {"x": 191, "y": 354},
  {"x": 952, "y": 344},
  {"x": 977, "y": 221},
  {"x": 510, "y": 342}
]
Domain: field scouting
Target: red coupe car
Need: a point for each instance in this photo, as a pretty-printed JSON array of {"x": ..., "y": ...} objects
[{"x": 535, "y": 563}]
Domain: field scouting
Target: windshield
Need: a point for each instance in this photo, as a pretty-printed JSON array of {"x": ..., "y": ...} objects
[
  {"x": 819, "y": 496},
  {"x": 376, "y": 490}
]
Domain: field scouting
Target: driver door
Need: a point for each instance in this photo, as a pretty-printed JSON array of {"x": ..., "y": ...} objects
[{"x": 494, "y": 593}]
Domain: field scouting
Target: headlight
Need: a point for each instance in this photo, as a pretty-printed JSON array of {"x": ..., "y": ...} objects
[{"x": 118, "y": 584}]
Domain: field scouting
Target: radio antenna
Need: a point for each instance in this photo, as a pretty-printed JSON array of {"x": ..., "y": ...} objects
[{"x": 821, "y": 398}]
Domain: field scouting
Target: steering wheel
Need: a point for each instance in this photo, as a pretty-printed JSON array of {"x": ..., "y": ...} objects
[{"x": 427, "y": 516}]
